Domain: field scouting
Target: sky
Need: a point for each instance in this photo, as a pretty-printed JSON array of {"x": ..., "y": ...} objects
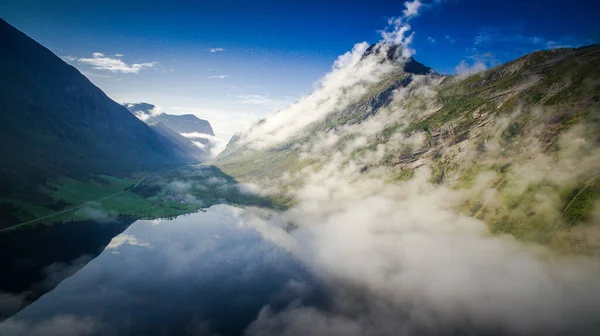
[{"x": 234, "y": 62}]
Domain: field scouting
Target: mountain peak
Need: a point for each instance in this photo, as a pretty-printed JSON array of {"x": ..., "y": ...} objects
[{"x": 394, "y": 53}]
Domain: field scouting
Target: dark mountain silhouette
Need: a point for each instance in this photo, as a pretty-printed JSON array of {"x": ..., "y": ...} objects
[{"x": 54, "y": 121}]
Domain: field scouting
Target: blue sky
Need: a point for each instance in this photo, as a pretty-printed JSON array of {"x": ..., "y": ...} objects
[{"x": 233, "y": 62}]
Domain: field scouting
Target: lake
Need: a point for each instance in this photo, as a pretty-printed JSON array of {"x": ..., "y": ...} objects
[{"x": 203, "y": 273}]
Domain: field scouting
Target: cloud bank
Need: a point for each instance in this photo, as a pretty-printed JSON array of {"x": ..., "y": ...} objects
[
  {"x": 100, "y": 61},
  {"x": 399, "y": 258},
  {"x": 350, "y": 76}
]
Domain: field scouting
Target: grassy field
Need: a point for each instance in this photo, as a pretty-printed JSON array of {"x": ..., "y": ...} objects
[{"x": 103, "y": 198}]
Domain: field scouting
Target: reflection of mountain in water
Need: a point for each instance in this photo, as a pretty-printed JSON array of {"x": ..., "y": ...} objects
[
  {"x": 35, "y": 260},
  {"x": 206, "y": 272}
]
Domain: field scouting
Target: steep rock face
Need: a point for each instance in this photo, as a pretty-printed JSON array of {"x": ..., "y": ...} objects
[
  {"x": 519, "y": 141},
  {"x": 54, "y": 121}
]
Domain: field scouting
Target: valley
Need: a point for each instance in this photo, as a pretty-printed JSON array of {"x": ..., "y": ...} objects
[
  {"x": 157, "y": 195},
  {"x": 186, "y": 170}
]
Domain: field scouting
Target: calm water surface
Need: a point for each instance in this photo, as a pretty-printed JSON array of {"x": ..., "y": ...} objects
[{"x": 209, "y": 272}]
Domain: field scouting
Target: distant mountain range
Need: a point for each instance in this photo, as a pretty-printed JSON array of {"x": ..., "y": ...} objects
[
  {"x": 197, "y": 130},
  {"x": 186, "y": 123},
  {"x": 54, "y": 121}
]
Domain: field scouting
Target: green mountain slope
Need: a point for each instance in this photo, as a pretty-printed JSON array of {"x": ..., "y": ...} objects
[{"x": 519, "y": 142}]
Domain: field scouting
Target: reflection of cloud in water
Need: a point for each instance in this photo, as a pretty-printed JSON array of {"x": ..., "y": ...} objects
[
  {"x": 126, "y": 239},
  {"x": 208, "y": 272}
]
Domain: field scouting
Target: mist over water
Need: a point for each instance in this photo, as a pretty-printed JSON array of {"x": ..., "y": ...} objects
[{"x": 200, "y": 274}]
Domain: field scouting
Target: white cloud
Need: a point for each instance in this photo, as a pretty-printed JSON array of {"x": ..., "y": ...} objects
[
  {"x": 463, "y": 69},
  {"x": 412, "y": 8},
  {"x": 214, "y": 180},
  {"x": 145, "y": 115},
  {"x": 248, "y": 188},
  {"x": 217, "y": 77},
  {"x": 398, "y": 28},
  {"x": 449, "y": 39},
  {"x": 196, "y": 135},
  {"x": 214, "y": 50},
  {"x": 199, "y": 144},
  {"x": 430, "y": 39},
  {"x": 101, "y": 62},
  {"x": 397, "y": 33},
  {"x": 349, "y": 78},
  {"x": 215, "y": 144},
  {"x": 119, "y": 55},
  {"x": 179, "y": 186}
]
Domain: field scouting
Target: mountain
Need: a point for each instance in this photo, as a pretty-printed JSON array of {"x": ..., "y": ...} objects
[
  {"x": 54, "y": 121},
  {"x": 186, "y": 123},
  {"x": 518, "y": 144},
  {"x": 182, "y": 145},
  {"x": 198, "y": 132}
]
